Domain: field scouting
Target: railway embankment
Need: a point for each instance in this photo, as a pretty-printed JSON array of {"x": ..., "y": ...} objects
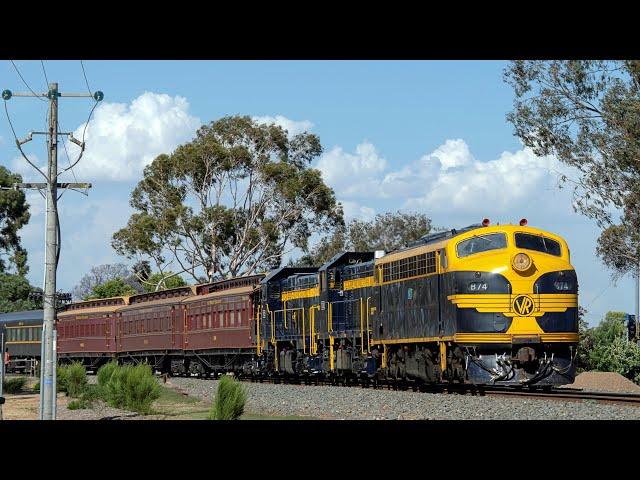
[{"x": 354, "y": 403}]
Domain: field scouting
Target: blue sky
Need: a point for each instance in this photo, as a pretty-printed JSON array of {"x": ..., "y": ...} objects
[{"x": 427, "y": 136}]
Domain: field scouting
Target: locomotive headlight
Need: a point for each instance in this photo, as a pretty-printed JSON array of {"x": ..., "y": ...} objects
[{"x": 521, "y": 262}]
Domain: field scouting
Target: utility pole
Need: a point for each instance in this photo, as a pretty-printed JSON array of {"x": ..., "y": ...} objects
[
  {"x": 1, "y": 373},
  {"x": 638, "y": 301},
  {"x": 52, "y": 241},
  {"x": 47, "y": 388}
]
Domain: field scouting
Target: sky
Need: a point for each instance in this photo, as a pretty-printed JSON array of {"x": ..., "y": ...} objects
[{"x": 421, "y": 136}]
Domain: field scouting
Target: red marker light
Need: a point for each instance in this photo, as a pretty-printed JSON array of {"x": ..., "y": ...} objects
[
  {"x": 485, "y": 222},
  {"x": 523, "y": 222}
]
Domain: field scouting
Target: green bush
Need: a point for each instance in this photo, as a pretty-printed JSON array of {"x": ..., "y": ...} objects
[
  {"x": 76, "y": 379},
  {"x": 61, "y": 378},
  {"x": 14, "y": 385},
  {"x": 105, "y": 372},
  {"x": 229, "y": 401},
  {"x": 61, "y": 381},
  {"x": 132, "y": 387},
  {"x": 113, "y": 391},
  {"x": 77, "y": 405},
  {"x": 605, "y": 348}
]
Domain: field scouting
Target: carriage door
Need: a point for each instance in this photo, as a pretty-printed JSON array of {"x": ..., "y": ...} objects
[
  {"x": 107, "y": 321},
  {"x": 119, "y": 328},
  {"x": 173, "y": 326}
]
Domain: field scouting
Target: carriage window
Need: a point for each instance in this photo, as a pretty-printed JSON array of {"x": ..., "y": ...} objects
[
  {"x": 538, "y": 243},
  {"x": 481, "y": 243}
]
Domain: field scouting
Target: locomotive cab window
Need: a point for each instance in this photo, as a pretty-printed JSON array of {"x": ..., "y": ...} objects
[
  {"x": 539, "y": 243},
  {"x": 481, "y": 243}
]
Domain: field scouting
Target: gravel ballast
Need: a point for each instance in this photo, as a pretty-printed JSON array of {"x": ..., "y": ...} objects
[
  {"x": 354, "y": 403},
  {"x": 604, "y": 382}
]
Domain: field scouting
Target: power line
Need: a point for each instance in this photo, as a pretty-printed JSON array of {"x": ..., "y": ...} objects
[
  {"x": 18, "y": 142},
  {"x": 66, "y": 152},
  {"x": 70, "y": 167},
  {"x": 45, "y": 73},
  {"x": 85, "y": 77},
  {"x": 599, "y": 295},
  {"x": 25, "y": 82}
]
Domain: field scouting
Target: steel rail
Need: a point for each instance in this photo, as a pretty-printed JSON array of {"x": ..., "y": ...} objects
[{"x": 554, "y": 393}]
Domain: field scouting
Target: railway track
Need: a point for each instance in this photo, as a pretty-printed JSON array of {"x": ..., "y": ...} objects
[
  {"x": 555, "y": 393},
  {"x": 571, "y": 394}
]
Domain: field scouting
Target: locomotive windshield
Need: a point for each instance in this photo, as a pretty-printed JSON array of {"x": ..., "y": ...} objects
[
  {"x": 481, "y": 243},
  {"x": 538, "y": 243}
]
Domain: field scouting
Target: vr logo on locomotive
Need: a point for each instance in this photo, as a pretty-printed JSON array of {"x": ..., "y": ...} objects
[{"x": 523, "y": 305}]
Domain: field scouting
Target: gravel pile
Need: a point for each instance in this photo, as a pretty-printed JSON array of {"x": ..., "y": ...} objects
[
  {"x": 605, "y": 382},
  {"x": 353, "y": 403}
]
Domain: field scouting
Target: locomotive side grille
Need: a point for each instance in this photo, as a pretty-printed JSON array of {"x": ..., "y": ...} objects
[{"x": 409, "y": 267}]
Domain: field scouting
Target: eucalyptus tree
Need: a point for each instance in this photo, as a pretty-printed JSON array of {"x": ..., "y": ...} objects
[
  {"x": 587, "y": 114},
  {"x": 231, "y": 202},
  {"x": 14, "y": 214}
]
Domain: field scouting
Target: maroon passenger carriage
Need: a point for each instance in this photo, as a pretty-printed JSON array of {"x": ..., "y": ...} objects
[
  {"x": 87, "y": 331},
  {"x": 219, "y": 327},
  {"x": 199, "y": 330},
  {"x": 150, "y": 328}
]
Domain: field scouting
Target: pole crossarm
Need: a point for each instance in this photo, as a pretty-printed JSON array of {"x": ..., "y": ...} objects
[
  {"x": 71, "y": 185},
  {"x": 47, "y": 133},
  {"x": 53, "y": 93},
  {"x": 46, "y": 95}
]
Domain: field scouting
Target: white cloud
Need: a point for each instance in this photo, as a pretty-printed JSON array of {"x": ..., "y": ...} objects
[
  {"x": 19, "y": 165},
  {"x": 355, "y": 210},
  {"x": 458, "y": 182},
  {"x": 293, "y": 127},
  {"x": 353, "y": 174},
  {"x": 449, "y": 179},
  {"x": 87, "y": 226},
  {"x": 122, "y": 139}
]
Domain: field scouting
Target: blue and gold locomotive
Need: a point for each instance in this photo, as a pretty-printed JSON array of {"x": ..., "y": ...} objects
[{"x": 483, "y": 305}]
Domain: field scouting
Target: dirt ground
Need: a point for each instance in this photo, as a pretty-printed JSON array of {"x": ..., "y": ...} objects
[
  {"x": 25, "y": 406},
  {"x": 173, "y": 404}
]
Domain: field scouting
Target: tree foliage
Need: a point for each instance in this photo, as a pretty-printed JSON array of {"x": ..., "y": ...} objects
[
  {"x": 14, "y": 294},
  {"x": 14, "y": 214},
  {"x": 163, "y": 281},
  {"x": 606, "y": 348},
  {"x": 114, "y": 280},
  {"x": 587, "y": 114},
  {"x": 111, "y": 288},
  {"x": 101, "y": 274},
  {"x": 387, "y": 232},
  {"x": 231, "y": 202}
]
